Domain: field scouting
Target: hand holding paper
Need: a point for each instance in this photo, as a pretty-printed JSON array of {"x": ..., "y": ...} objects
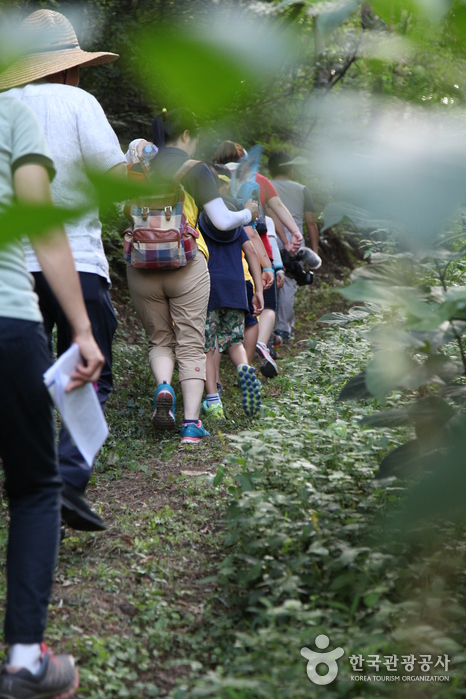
[{"x": 78, "y": 407}]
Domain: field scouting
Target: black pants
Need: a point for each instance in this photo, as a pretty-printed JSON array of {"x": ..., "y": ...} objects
[
  {"x": 32, "y": 483},
  {"x": 71, "y": 464}
]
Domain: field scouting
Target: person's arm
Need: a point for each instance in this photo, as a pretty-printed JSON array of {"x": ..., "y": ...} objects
[
  {"x": 267, "y": 274},
  {"x": 255, "y": 269},
  {"x": 118, "y": 171},
  {"x": 313, "y": 231},
  {"x": 280, "y": 230},
  {"x": 284, "y": 216},
  {"x": 226, "y": 220},
  {"x": 277, "y": 258},
  {"x": 31, "y": 184}
]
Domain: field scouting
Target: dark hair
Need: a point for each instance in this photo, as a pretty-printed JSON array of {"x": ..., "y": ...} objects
[
  {"x": 277, "y": 162},
  {"x": 228, "y": 152},
  {"x": 168, "y": 126}
]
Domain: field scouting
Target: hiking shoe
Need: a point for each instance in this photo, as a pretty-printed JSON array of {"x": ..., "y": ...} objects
[
  {"x": 215, "y": 410},
  {"x": 193, "y": 432},
  {"x": 76, "y": 512},
  {"x": 163, "y": 417},
  {"x": 274, "y": 354},
  {"x": 285, "y": 336},
  {"x": 250, "y": 388},
  {"x": 219, "y": 388},
  {"x": 57, "y": 679},
  {"x": 267, "y": 366}
]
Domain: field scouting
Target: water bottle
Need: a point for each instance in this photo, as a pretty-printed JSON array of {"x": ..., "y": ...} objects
[{"x": 148, "y": 154}]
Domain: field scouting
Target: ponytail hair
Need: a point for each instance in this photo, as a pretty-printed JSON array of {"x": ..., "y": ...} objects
[{"x": 167, "y": 127}]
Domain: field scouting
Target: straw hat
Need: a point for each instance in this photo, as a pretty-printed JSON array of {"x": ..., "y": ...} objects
[{"x": 53, "y": 47}]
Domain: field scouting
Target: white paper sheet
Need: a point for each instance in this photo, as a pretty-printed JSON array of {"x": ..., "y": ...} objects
[{"x": 80, "y": 409}]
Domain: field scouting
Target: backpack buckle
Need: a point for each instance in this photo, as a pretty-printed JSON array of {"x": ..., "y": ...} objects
[
  {"x": 145, "y": 213},
  {"x": 168, "y": 212}
]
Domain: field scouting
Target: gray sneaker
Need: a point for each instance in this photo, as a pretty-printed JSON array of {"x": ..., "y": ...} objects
[
  {"x": 57, "y": 679},
  {"x": 268, "y": 367}
]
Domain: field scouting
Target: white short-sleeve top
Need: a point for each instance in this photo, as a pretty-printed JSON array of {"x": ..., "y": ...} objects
[{"x": 79, "y": 138}]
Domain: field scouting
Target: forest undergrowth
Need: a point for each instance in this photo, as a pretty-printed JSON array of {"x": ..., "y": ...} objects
[{"x": 220, "y": 563}]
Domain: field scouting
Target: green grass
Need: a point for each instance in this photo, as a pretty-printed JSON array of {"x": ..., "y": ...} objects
[{"x": 221, "y": 562}]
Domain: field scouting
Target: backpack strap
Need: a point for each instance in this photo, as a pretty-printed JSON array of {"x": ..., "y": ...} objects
[{"x": 185, "y": 168}]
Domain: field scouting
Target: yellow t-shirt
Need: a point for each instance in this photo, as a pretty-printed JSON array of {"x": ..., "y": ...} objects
[
  {"x": 191, "y": 211},
  {"x": 247, "y": 273}
]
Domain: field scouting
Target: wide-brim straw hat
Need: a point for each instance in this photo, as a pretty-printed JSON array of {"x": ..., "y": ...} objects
[{"x": 51, "y": 46}]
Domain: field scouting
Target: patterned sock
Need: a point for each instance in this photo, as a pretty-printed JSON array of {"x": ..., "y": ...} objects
[{"x": 211, "y": 399}]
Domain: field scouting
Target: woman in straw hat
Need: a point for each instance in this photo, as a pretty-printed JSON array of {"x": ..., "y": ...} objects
[{"x": 80, "y": 138}]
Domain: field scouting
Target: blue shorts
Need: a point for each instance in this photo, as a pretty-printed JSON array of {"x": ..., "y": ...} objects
[{"x": 270, "y": 297}]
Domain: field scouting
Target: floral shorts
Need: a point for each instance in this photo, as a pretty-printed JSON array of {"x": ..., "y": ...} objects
[{"x": 225, "y": 327}]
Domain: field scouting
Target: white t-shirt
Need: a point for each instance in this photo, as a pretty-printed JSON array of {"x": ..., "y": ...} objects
[{"x": 79, "y": 138}]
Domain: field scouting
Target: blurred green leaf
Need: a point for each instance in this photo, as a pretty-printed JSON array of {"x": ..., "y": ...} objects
[
  {"x": 331, "y": 19},
  {"x": 355, "y": 388},
  {"x": 206, "y": 69},
  {"x": 391, "y": 369},
  {"x": 33, "y": 219},
  {"x": 440, "y": 494},
  {"x": 387, "y": 418},
  {"x": 219, "y": 476},
  {"x": 111, "y": 189},
  {"x": 398, "y": 460},
  {"x": 394, "y": 11},
  {"x": 336, "y": 211}
]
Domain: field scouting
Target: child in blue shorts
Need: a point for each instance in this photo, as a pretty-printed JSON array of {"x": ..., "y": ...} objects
[{"x": 227, "y": 307}]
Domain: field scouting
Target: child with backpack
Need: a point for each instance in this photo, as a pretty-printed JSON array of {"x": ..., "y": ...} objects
[{"x": 227, "y": 307}]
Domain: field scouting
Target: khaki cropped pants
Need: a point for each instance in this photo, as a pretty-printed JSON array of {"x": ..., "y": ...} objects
[{"x": 181, "y": 295}]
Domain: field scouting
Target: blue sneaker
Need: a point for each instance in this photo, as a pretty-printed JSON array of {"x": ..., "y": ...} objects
[
  {"x": 193, "y": 432},
  {"x": 163, "y": 417},
  {"x": 250, "y": 388}
]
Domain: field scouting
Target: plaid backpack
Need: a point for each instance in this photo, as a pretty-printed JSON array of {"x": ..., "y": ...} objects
[{"x": 163, "y": 233}]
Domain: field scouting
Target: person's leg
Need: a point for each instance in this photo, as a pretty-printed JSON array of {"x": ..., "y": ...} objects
[
  {"x": 99, "y": 308},
  {"x": 49, "y": 307},
  {"x": 73, "y": 469},
  {"x": 266, "y": 324},
  {"x": 162, "y": 368},
  {"x": 238, "y": 354},
  {"x": 212, "y": 405},
  {"x": 285, "y": 313},
  {"x": 251, "y": 327},
  {"x": 230, "y": 337},
  {"x": 217, "y": 363},
  {"x": 188, "y": 293},
  {"x": 32, "y": 483},
  {"x": 211, "y": 373},
  {"x": 147, "y": 290},
  {"x": 147, "y": 293},
  {"x": 251, "y": 333}
]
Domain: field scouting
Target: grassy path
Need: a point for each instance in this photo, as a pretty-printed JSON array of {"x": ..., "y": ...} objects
[
  {"x": 134, "y": 604},
  {"x": 221, "y": 562}
]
